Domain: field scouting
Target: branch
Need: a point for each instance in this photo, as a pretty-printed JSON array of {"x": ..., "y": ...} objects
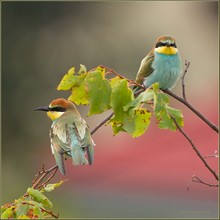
[
  {"x": 198, "y": 180},
  {"x": 50, "y": 212},
  {"x": 195, "y": 149},
  {"x": 183, "y": 77},
  {"x": 186, "y": 103},
  {"x": 206, "y": 120},
  {"x": 55, "y": 168},
  {"x": 102, "y": 123},
  {"x": 37, "y": 183},
  {"x": 42, "y": 174},
  {"x": 132, "y": 82}
]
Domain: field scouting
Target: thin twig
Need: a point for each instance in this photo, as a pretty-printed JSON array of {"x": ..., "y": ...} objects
[
  {"x": 49, "y": 178},
  {"x": 206, "y": 120},
  {"x": 43, "y": 174},
  {"x": 196, "y": 179},
  {"x": 132, "y": 82},
  {"x": 43, "y": 209},
  {"x": 186, "y": 103},
  {"x": 112, "y": 71},
  {"x": 187, "y": 63},
  {"x": 195, "y": 149},
  {"x": 212, "y": 155},
  {"x": 50, "y": 212}
]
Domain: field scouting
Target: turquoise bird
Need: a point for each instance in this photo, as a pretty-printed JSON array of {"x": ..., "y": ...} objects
[
  {"x": 162, "y": 64},
  {"x": 69, "y": 134}
]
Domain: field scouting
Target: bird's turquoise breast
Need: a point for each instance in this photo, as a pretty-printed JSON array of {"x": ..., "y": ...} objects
[{"x": 167, "y": 69}]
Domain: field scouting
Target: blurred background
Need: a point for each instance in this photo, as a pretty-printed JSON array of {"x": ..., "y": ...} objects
[{"x": 145, "y": 177}]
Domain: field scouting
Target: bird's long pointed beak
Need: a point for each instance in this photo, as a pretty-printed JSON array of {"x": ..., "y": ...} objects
[{"x": 43, "y": 108}]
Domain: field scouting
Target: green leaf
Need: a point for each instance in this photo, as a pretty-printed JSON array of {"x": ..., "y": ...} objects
[
  {"x": 117, "y": 127},
  {"x": 22, "y": 209},
  {"x": 79, "y": 92},
  {"x": 177, "y": 114},
  {"x": 121, "y": 96},
  {"x": 155, "y": 87},
  {"x": 35, "y": 208},
  {"x": 165, "y": 122},
  {"x": 163, "y": 111},
  {"x": 51, "y": 187},
  {"x": 68, "y": 81},
  {"x": 99, "y": 91},
  {"x": 37, "y": 211},
  {"x": 8, "y": 213},
  {"x": 114, "y": 81},
  {"x": 23, "y": 217},
  {"x": 145, "y": 97},
  {"x": 138, "y": 124},
  {"x": 39, "y": 197}
]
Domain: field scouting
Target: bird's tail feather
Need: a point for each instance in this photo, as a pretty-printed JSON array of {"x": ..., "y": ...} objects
[
  {"x": 78, "y": 156},
  {"x": 60, "y": 162},
  {"x": 90, "y": 154}
]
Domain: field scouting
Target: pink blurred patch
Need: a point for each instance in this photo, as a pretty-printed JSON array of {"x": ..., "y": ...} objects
[{"x": 160, "y": 162}]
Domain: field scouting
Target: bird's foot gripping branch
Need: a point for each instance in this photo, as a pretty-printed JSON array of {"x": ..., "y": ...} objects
[{"x": 103, "y": 89}]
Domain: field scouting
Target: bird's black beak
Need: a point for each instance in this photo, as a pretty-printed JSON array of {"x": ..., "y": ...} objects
[
  {"x": 43, "y": 108},
  {"x": 168, "y": 44}
]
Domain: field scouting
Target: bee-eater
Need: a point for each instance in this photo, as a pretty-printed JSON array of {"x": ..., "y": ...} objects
[
  {"x": 162, "y": 64},
  {"x": 69, "y": 134}
]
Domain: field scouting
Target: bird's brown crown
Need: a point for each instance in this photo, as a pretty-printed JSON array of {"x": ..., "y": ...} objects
[
  {"x": 59, "y": 103},
  {"x": 166, "y": 45}
]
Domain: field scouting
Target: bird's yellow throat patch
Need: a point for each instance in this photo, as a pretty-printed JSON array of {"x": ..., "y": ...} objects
[
  {"x": 166, "y": 50},
  {"x": 54, "y": 115}
]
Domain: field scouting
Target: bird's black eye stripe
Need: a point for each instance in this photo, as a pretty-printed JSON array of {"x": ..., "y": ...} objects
[
  {"x": 58, "y": 109},
  {"x": 161, "y": 44},
  {"x": 173, "y": 45}
]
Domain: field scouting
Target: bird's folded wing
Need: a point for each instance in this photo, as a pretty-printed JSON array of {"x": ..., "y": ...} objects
[
  {"x": 145, "y": 69},
  {"x": 85, "y": 139}
]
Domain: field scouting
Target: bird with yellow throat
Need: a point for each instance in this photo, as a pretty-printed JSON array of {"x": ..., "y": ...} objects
[
  {"x": 162, "y": 64},
  {"x": 69, "y": 134}
]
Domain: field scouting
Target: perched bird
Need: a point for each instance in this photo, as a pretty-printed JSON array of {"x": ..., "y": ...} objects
[
  {"x": 162, "y": 65},
  {"x": 69, "y": 134}
]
